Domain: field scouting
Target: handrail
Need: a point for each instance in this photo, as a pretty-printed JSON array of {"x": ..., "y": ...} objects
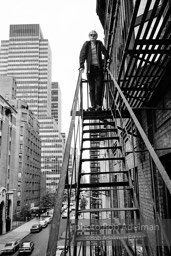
[
  {"x": 153, "y": 154},
  {"x": 55, "y": 224},
  {"x": 143, "y": 135}
]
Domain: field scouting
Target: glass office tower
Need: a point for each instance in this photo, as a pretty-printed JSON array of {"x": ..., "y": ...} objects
[{"x": 26, "y": 56}]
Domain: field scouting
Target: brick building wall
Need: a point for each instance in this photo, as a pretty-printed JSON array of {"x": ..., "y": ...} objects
[
  {"x": 28, "y": 156},
  {"x": 7, "y": 146},
  {"x": 152, "y": 190}
]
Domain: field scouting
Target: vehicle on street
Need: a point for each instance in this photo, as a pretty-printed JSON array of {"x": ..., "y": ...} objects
[
  {"x": 43, "y": 223},
  {"x": 60, "y": 250},
  {"x": 72, "y": 219},
  {"x": 73, "y": 207},
  {"x": 59, "y": 253},
  {"x": 138, "y": 248},
  {"x": 11, "y": 247},
  {"x": 26, "y": 248},
  {"x": 48, "y": 219},
  {"x": 65, "y": 214},
  {"x": 36, "y": 228},
  {"x": 64, "y": 208}
]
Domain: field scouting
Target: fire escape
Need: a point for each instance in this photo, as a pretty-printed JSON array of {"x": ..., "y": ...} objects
[{"x": 104, "y": 144}]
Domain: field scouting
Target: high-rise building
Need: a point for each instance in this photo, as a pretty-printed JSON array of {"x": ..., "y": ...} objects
[
  {"x": 26, "y": 56},
  {"x": 56, "y": 103},
  {"x": 52, "y": 148},
  {"x": 7, "y": 88}
]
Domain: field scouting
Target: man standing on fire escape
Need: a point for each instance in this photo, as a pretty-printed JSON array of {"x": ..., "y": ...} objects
[{"x": 91, "y": 52}]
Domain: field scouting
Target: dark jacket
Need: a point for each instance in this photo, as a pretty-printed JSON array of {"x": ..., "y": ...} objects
[{"x": 85, "y": 54}]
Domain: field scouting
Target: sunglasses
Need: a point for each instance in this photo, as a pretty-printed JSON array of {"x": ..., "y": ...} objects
[{"x": 92, "y": 34}]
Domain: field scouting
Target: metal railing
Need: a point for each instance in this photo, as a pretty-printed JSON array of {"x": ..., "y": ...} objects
[
  {"x": 68, "y": 175},
  {"x": 116, "y": 101}
]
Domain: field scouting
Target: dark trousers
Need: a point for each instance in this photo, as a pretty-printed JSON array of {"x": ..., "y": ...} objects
[{"x": 95, "y": 80}]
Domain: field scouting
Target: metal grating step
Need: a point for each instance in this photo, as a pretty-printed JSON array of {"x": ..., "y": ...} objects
[
  {"x": 108, "y": 209},
  {"x": 101, "y": 148},
  {"x": 100, "y": 130},
  {"x": 107, "y": 190},
  {"x": 105, "y": 114},
  {"x": 104, "y": 122},
  {"x": 102, "y": 159},
  {"x": 99, "y": 173},
  {"x": 101, "y": 139},
  {"x": 104, "y": 184}
]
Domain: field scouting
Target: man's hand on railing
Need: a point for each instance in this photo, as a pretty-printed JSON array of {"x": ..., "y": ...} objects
[
  {"x": 81, "y": 70},
  {"x": 108, "y": 62}
]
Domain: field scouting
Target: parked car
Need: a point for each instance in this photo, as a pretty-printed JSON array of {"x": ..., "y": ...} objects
[
  {"x": 48, "y": 219},
  {"x": 72, "y": 219},
  {"x": 43, "y": 223},
  {"x": 36, "y": 228},
  {"x": 11, "y": 247},
  {"x": 59, "y": 253},
  {"x": 64, "y": 208},
  {"x": 60, "y": 250},
  {"x": 26, "y": 247},
  {"x": 65, "y": 214}
]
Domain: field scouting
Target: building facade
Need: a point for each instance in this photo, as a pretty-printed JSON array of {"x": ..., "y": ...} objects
[
  {"x": 7, "y": 87},
  {"x": 26, "y": 56},
  {"x": 56, "y": 103},
  {"x": 132, "y": 30},
  {"x": 52, "y": 148},
  {"x": 8, "y": 172},
  {"x": 27, "y": 158}
]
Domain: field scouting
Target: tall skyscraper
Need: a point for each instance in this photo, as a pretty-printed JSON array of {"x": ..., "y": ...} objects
[
  {"x": 26, "y": 56},
  {"x": 56, "y": 103},
  {"x": 7, "y": 87}
]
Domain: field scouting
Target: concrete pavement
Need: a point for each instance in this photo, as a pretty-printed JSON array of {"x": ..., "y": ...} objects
[
  {"x": 18, "y": 233},
  {"x": 22, "y": 231}
]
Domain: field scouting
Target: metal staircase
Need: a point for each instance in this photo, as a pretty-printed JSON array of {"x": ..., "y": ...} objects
[
  {"x": 112, "y": 223},
  {"x": 103, "y": 148},
  {"x": 104, "y": 231}
]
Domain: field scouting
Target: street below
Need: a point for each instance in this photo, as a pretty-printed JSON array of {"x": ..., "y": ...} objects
[{"x": 40, "y": 240}]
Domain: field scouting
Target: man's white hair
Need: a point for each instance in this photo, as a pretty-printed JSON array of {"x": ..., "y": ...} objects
[{"x": 93, "y": 32}]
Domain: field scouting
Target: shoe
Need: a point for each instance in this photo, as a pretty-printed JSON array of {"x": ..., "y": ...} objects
[
  {"x": 98, "y": 108},
  {"x": 91, "y": 109}
]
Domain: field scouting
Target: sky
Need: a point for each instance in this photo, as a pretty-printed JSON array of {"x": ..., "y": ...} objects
[{"x": 66, "y": 24}]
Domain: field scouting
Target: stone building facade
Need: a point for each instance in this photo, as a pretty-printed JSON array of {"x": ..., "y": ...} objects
[
  {"x": 27, "y": 158},
  {"x": 8, "y": 172}
]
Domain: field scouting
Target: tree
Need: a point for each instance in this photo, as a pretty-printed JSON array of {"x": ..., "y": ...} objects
[
  {"x": 47, "y": 201},
  {"x": 25, "y": 212},
  {"x": 65, "y": 195},
  {"x": 83, "y": 203}
]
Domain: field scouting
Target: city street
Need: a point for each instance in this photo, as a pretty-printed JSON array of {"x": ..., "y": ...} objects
[{"x": 40, "y": 240}]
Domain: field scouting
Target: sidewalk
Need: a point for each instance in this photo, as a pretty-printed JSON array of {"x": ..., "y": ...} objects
[{"x": 18, "y": 233}]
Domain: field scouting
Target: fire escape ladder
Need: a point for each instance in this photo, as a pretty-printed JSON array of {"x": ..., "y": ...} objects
[
  {"x": 140, "y": 60},
  {"x": 96, "y": 172},
  {"x": 103, "y": 148},
  {"x": 121, "y": 108}
]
